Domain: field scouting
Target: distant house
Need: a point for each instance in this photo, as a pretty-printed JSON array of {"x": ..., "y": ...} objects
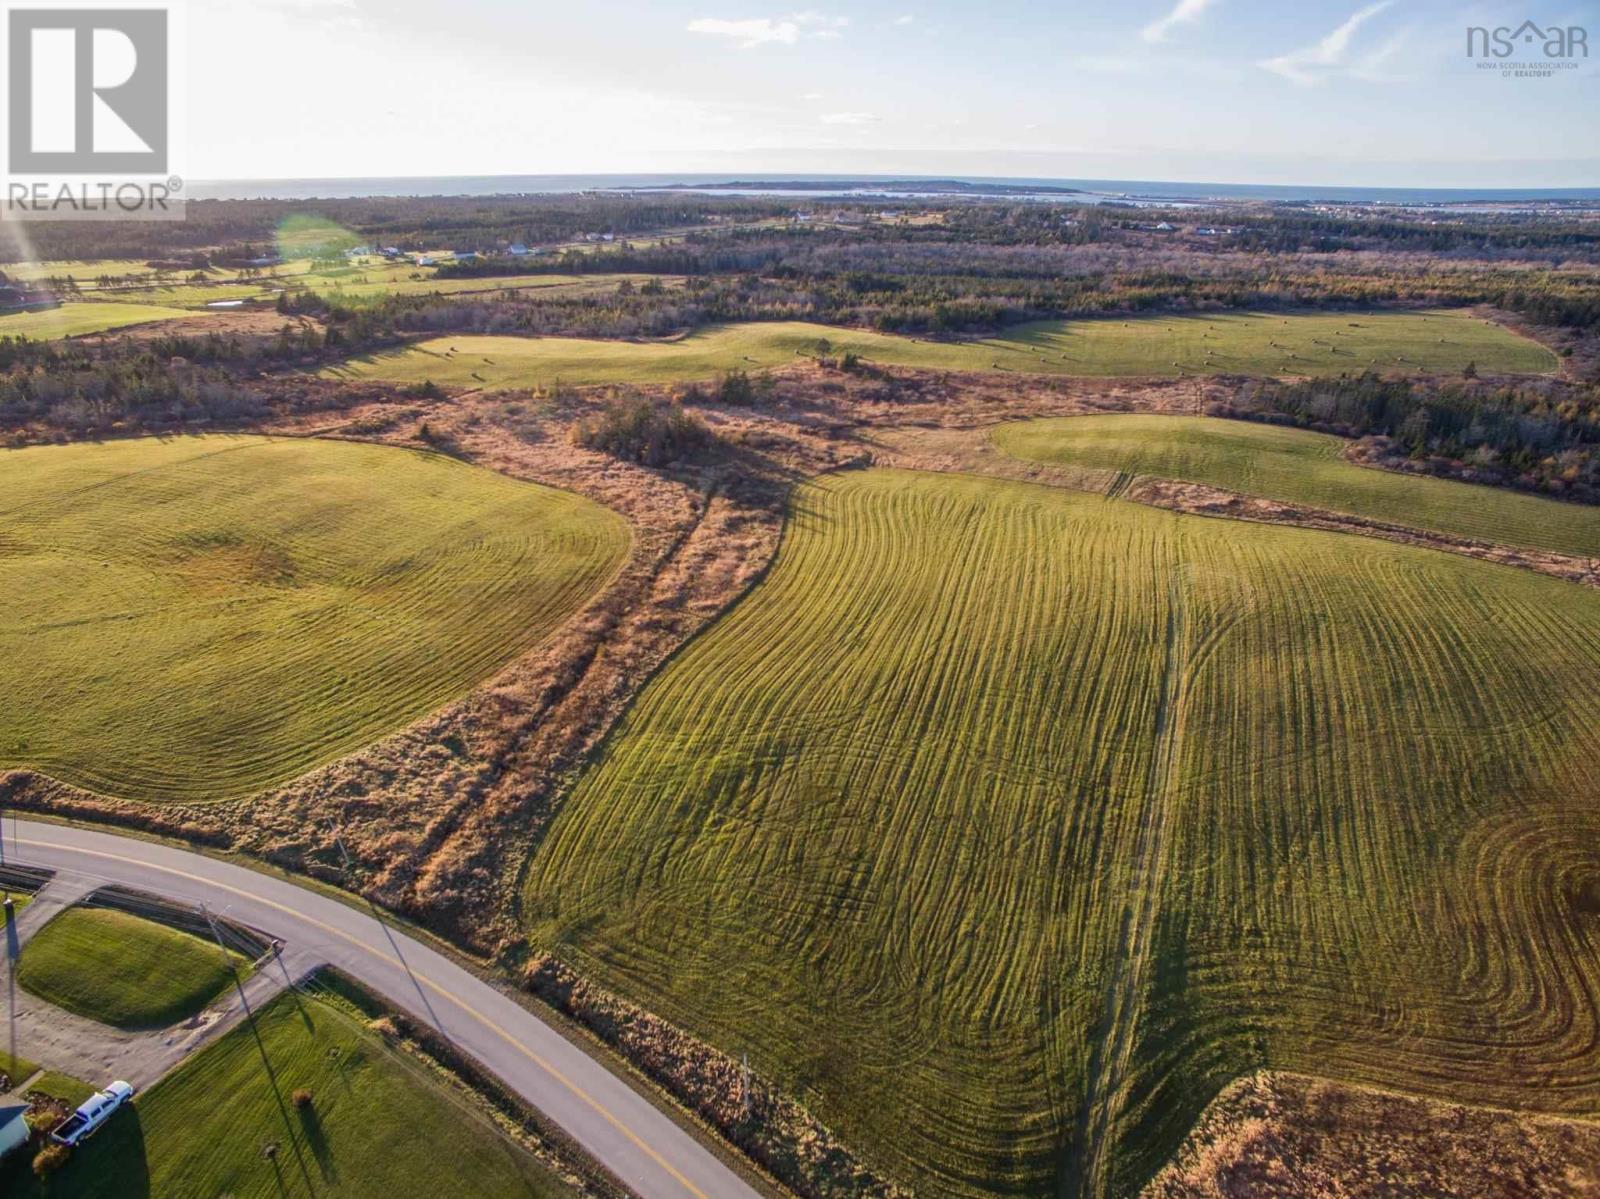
[
  {"x": 1166, "y": 227},
  {"x": 518, "y": 250},
  {"x": 13, "y": 1126},
  {"x": 426, "y": 260},
  {"x": 466, "y": 255},
  {"x": 390, "y": 251},
  {"x": 1206, "y": 231},
  {"x": 358, "y": 251}
]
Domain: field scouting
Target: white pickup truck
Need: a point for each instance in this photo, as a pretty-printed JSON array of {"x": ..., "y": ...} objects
[{"x": 91, "y": 1114}]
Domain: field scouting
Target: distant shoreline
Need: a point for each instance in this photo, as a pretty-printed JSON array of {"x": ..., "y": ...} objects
[{"x": 821, "y": 186}]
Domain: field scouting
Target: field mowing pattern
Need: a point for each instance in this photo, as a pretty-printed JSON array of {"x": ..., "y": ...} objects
[
  {"x": 1246, "y": 343},
  {"x": 1009, "y": 823},
  {"x": 199, "y": 618},
  {"x": 1300, "y": 467}
]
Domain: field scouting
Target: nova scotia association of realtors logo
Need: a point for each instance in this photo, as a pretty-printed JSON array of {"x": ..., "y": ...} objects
[
  {"x": 1529, "y": 50},
  {"x": 89, "y": 127}
]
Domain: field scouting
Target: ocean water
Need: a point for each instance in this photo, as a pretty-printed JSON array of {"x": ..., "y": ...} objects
[{"x": 1087, "y": 190}]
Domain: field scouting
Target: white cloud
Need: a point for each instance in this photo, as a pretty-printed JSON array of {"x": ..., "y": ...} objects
[
  {"x": 754, "y": 32},
  {"x": 1185, "y": 12},
  {"x": 1331, "y": 56},
  {"x": 812, "y": 97},
  {"x": 848, "y": 118},
  {"x": 907, "y": 19},
  {"x": 750, "y": 32}
]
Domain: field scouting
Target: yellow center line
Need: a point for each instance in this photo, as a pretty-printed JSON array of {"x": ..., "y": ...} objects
[{"x": 421, "y": 978}]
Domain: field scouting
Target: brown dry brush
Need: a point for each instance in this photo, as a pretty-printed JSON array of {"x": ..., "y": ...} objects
[{"x": 1285, "y": 1134}]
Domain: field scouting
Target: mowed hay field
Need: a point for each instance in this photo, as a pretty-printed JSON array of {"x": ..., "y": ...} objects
[
  {"x": 1300, "y": 467},
  {"x": 74, "y": 320},
  {"x": 1246, "y": 343},
  {"x": 1008, "y": 823},
  {"x": 199, "y": 618}
]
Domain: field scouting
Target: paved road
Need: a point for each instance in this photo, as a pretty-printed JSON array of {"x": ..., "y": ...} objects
[
  {"x": 96, "y": 1052},
  {"x": 600, "y": 1112}
]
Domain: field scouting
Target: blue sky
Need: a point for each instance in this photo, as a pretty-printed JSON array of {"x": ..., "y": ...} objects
[{"x": 1357, "y": 92}]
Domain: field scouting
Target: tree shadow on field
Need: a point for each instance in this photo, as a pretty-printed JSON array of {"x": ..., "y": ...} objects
[{"x": 317, "y": 1139}]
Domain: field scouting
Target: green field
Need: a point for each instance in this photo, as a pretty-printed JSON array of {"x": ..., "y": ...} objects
[
  {"x": 83, "y": 270},
  {"x": 138, "y": 294},
  {"x": 75, "y": 319},
  {"x": 124, "y": 971},
  {"x": 1008, "y": 823},
  {"x": 1326, "y": 344},
  {"x": 1300, "y": 467},
  {"x": 355, "y": 286},
  {"x": 198, "y": 618},
  {"x": 378, "y": 1127}
]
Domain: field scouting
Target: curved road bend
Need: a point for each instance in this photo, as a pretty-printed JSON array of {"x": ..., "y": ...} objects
[{"x": 601, "y": 1113}]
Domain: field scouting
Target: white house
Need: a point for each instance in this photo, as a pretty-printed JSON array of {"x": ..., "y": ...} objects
[
  {"x": 518, "y": 250},
  {"x": 13, "y": 1127}
]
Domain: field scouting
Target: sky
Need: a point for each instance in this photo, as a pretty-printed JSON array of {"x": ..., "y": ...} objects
[{"x": 1319, "y": 92}]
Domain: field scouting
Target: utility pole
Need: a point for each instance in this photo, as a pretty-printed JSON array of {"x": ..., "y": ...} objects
[
  {"x": 216, "y": 933},
  {"x": 344, "y": 853}
]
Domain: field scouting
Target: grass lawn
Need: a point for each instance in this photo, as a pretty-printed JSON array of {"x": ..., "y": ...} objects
[
  {"x": 17, "y": 1069},
  {"x": 1300, "y": 467},
  {"x": 1249, "y": 343},
  {"x": 74, "y": 319},
  {"x": 199, "y": 618},
  {"x": 1008, "y": 823},
  {"x": 378, "y": 1127},
  {"x": 123, "y": 970},
  {"x": 71, "y": 1091}
]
